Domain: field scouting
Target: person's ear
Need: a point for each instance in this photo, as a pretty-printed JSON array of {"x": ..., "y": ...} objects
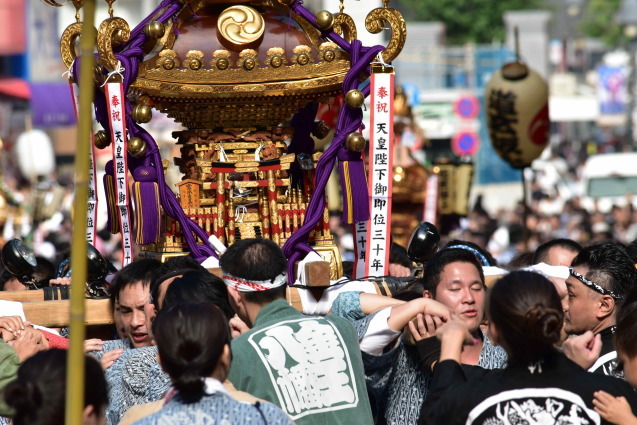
[
  {"x": 222, "y": 369},
  {"x": 235, "y": 296},
  {"x": 426, "y": 294},
  {"x": 226, "y": 359},
  {"x": 606, "y": 306},
  {"x": 90, "y": 416}
]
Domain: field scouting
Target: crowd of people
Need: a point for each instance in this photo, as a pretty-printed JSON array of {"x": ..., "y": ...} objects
[{"x": 550, "y": 342}]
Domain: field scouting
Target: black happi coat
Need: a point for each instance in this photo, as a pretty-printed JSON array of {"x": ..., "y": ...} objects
[
  {"x": 607, "y": 362},
  {"x": 551, "y": 392}
]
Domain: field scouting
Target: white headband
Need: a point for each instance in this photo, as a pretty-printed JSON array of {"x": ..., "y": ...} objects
[{"x": 245, "y": 285}]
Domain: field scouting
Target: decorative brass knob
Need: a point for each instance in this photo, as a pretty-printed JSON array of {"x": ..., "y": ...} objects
[
  {"x": 155, "y": 30},
  {"x": 136, "y": 147},
  {"x": 355, "y": 98},
  {"x": 168, "y": 64},
  {"x": 303, "y": 59},
  {"x": 324, "y": 20},
  {"x": 142, "y": 113},
  {"x": 276, "y": 61},
  {"x": 329, "y": 55},
  {"x": 249, "y": 64},
  {"x": 101, "y": 139},
  {"x": 195, "y": 64},
  {"x": 223, "y": 64},
  {"x": 355, "y": 142}
]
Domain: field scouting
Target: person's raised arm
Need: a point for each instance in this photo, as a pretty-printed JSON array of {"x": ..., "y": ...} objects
[
  {"x": 402, "y": 314},
  {"x": 374, "y": 302}
]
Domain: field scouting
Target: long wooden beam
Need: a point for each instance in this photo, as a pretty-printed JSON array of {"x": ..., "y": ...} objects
[{"x": 55, "y": 314}]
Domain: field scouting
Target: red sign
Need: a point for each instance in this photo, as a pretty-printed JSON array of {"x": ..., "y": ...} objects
[
  {"x": 12, "y": 27},
  {"x": 465, "y": 143},
  {"x": 467, "y": 107}
]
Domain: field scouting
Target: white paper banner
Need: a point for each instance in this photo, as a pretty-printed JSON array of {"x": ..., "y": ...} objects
[
  {"x": 430, "y": 212},
  {"x": 116, "y": 116},
  {"x": 91, "y": 206},
  {"x": 381, "y": 136},
  {"x": 360, "y": 246}
]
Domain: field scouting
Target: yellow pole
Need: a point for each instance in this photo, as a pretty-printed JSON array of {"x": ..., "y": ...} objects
[{"x": 75, "y": 363}]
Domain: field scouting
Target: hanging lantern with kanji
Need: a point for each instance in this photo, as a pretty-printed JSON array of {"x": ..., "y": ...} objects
[{"x": 517, "y": 114}]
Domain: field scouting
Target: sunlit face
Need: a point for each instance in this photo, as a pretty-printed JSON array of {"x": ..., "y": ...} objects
[
  {"x": 461, "y": 289},
  {"x": 132, "y": 301},
  {"x": 581, "y": 305},
  {"x": 117, "y": 318}
]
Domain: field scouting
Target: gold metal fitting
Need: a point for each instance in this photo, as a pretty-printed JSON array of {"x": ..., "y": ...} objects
[
  {"x": 249, "y": 64},
  {"x": 329, "y": 55},
  {"x": 223, "y": 63},
  {"x": 142, "y": 113},
  {"x": 101, "y": 139},
  {"x": 324, "y": 20},
  {"x": 136, "y": 147},
  {"x": 355, "y": 142},
  {"x": 155, "y": 30},
  {"x": 240, "y": 25},
  {"x": 303, "y": 59},
  {"x": 355, "y": 98},
  {"x": 194, "y": 59}
]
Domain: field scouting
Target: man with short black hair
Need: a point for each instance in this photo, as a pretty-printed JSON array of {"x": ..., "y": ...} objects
[
  {"x": 398, "y": 378},
  {"x": 557, "y": 252},
  {"x": 600, "y": 277},
  {"x": 311, "y": 367},
  {"x": 129, "y": 294}
]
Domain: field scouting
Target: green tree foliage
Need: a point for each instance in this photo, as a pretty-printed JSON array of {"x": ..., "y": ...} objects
[
  {"x": 599, "y": 21},
  {"x": 478, "y": 21}
]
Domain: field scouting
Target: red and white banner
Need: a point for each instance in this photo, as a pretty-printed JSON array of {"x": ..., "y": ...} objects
[
  {"x": 91, "y": 206},
  {"x": 430, "y": 211},
  {"x": 116, "y": 115},
  {"x": 380, "y": 174}
]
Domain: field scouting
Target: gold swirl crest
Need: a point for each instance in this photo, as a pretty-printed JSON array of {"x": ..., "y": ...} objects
[
  {"x": 345, "y": 26},
  {"x": 375, "y": 24},
  {"x": 112, "y": 32},
  {"x": 67, "y": 43},
  {"x": 241, "y": 25}
]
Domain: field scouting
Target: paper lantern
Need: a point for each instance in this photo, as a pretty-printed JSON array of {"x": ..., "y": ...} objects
[
  {"x": 35, "y": 154},
  {"x": 517, "y": 114}
]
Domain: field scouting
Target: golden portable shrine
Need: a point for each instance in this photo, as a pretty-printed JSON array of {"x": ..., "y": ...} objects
[{"x": 245, "y": 79}]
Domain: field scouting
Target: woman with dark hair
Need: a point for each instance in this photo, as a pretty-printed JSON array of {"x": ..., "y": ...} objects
[
  {"x": 38, "y": 394},
  {"x": 193, "y": 342},
  {"x": 538, "y": 386}
]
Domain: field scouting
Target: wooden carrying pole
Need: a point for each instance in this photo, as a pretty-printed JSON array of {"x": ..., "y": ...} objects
[{"x": 75, "y": 362}]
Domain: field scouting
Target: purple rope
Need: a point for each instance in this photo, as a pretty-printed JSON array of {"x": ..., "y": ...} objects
[
  {"x": 349, "y": 120},
  {"x": 130, "y": 55}
]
